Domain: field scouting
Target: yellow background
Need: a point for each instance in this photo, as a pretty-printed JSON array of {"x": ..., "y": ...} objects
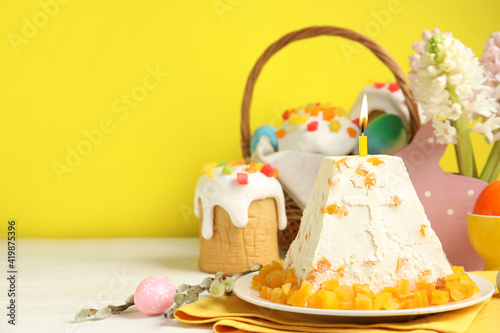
[{"x": 69, "y": 74}]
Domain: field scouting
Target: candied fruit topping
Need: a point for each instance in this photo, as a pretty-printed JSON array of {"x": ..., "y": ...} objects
[
  {"x": 440, "y": 297},
  {"x": 340, "y": 112},
  {"x": 361, "y": 170},
  {"x": 312, "y": 110},
  {"x": 280, "y": 133},
  {"x": 335, "y": 209},
  {"x": 341, "y": 161},
  {"x": 275, "y": 173},
  {"x": 370, "y": 180},
  {"x": 286, "y": 115},
  {"x": 422, "y": 229},
  {"x": 312, "y": 126},
  {"x": 281, "y": 286},
  {"x": 267, "y": 169},
  {"x": 341, "y": 271},
  {"x": 236, "y": 163},
  {"x": 393, "y": 87},
  {"x": 323, "y": 265},
  {"x": 375, "y": 161},
  {"x": 297, "y": 119},
  {"x": 352, "y": 132},
  {"x": 330, "y": 183},
  {"x": 335, "y": 125},
  {"x": 329, "y": 114},
  {"x": 227, "y": 169},
  {"x": 242, "y": 178},
  {"x": 251, "y": 167},
  {"x": 208, "y": 169}
]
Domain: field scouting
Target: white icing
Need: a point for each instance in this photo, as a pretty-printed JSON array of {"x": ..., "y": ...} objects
[
  {"x": 376, "y": 229},
  {"x": 321, "y": 141},
  {"x": 224, "y": 191}
]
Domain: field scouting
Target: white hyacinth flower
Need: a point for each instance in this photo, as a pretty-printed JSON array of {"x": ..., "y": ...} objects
[
  {"x": 445, "y": 132},
  {"x": 491, "y": 63},
  {"x": 487, "y": 128},
  {"x": 448, "y": 82}
]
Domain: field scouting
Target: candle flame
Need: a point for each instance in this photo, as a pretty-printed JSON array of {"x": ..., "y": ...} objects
[{"x": 363, "y": 118}]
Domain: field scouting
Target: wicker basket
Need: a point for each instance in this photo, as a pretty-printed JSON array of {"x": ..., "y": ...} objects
[{"x": 294, "y": 212}]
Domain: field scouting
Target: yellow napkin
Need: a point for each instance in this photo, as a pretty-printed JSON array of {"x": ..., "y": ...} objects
[{"x": 230, "y": 314}]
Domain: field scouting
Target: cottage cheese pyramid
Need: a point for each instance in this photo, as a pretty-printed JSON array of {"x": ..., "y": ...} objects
[{"x": 365, "y": 224}]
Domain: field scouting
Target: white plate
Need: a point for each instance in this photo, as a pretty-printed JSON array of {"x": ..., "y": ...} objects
[{"x": 244, "y": 291}]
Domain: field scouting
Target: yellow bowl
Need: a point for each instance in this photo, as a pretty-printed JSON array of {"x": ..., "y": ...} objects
[{"x": 484, "y": 235}]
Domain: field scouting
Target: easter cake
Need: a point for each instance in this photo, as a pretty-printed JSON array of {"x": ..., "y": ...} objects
[
  {"x": 364, "y": 243},
  {"x": 317, "y": 129},
  {"x": 241, "y": 208}
]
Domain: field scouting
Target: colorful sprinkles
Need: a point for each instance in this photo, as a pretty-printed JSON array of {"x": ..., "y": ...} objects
[
  {"x": 228, "y": 168},
  {"x": 312, "y": 126},
  {"x": 242, "y": 178},
  {"x": 393, "y": 87},
  {"x": 293, "y": 117}
]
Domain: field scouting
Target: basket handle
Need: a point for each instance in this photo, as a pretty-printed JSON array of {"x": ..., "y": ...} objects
[{"x": 377, "y": 50}]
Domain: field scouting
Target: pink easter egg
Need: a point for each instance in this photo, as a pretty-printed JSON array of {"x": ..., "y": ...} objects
[{"x": 154, "y": 295}]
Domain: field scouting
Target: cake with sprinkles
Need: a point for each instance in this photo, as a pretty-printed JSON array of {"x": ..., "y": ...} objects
[
  {"x": 241, "y": 207},
  {"x": 364, "y": 243},
  {"x": 317, "y": 129}
]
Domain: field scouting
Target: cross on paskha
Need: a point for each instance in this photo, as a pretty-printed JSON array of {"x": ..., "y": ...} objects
[{"x": 373, "y": 200}]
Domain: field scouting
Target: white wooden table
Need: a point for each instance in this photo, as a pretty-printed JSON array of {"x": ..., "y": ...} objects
[{"x": 58, "y": 277}]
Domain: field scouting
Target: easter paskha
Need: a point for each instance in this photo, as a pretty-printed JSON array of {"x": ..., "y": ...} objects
[{"x": 364, "y": 243}]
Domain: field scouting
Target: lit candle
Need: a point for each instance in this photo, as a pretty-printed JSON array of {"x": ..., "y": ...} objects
[{"x": 363, "y": 121}]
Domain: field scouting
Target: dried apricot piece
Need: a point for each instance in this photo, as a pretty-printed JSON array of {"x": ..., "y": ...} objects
[
  {"x": 315, "y": 301},
  {"x": 422, "y": 229},
  {"x": 361, "y": 170},
  {"x": 341, "y": 161},
  {"x": 392, "y": 304},
  {"x": 345, "y": 293},
  {"x": 323, "y": 265},
  {"x": 335, "y": 209},
  {"x": 329, "y": 300},
  {"x": 370, "y": 180},
  {"x": 439, "y": 297},
  {"x": 375, "y": 161},
  {"x": 257, "y": 282},
  {"x": 362, "y": 302},
  {"x": 421, "y": 297}
]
